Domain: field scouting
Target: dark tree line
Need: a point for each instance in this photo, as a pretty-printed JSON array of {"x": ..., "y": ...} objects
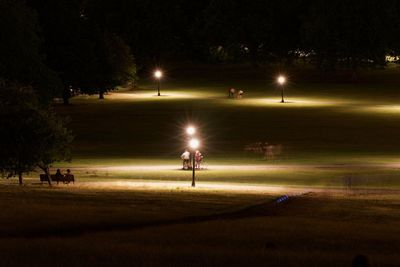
[{"x": 329, "y": 34}]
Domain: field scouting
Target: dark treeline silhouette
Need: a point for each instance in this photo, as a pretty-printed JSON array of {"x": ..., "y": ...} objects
[
  {"x": 94, "y": 45},
  {"x": 329, "y": 34}
]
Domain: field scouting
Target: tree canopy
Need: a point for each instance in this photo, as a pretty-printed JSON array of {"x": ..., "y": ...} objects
[
  {"x": 85, "y": 56},
  {"x": 21, "y": 57},
  {"x": 32, "y": 135}
]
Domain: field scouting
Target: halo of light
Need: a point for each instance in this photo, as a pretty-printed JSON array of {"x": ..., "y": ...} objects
[
  {"x": 158, "y": 74},
  {"x": 190, "y": 130},
  {"x": 194, "y": 143},
  {"x": 281, "y": 80}
]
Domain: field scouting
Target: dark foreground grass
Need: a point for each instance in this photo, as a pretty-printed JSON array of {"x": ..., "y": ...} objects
[{"x": 89, "y": 226}]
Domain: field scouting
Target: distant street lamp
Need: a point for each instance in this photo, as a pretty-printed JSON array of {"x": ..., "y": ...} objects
[
  {"x": 281, "y": 81},
  {"x": 158, "y": 75},
  {"x": 194, "y": 144}
]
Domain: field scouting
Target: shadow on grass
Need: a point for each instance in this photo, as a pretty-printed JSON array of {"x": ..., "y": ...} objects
[{"x": 269, "y": 208}]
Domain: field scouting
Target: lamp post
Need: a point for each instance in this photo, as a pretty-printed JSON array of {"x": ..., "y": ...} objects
[
  {"x": 281, "y": 81},
  {"x": 158, "y": 75},
  {"x": 194, "y": 144}
]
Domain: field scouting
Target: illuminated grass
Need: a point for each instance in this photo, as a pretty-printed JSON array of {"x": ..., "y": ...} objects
[{"x": 319, "y": 124}]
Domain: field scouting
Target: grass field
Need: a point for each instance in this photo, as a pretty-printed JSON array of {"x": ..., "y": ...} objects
[
  {"x": 353, "y": 120},
  {"x": 133, "y": 206},
  {"x": 95, "y": 224},
  {"x": 351, "y": 129}
]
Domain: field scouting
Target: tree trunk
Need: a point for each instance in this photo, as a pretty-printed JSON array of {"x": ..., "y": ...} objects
[
  {"x": 20, "y": 178},
  {"x": 65, "y": 100},
  {"x": 66, "y": 96},
  {"x": 101, "y": 95},
  {"x": 48, "y": 175},
  {"x": 132, "y": 85},
  {"x": 45, "y": 168}
]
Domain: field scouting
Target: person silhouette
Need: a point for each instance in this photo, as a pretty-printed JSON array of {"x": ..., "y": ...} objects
[
  {"x": 198, "y": 157},
  {"x": 185, "y": 160}
]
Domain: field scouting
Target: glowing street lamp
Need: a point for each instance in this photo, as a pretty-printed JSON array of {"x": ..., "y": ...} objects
[
  {"x": 190, "y": 130},
  {"x": 194, "y": 144},
  {"x": 158, "y": 75},
  {"x": 281, "y": 81}
]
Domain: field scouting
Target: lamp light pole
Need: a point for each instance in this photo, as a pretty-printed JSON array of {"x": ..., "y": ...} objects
[
  {"x": 281, "y": 81},
  {"x": 158, "y": 75},
  {"x": 194, "y": 144}
]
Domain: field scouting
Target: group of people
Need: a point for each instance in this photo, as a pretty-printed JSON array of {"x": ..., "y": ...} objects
[
  {"x": 66, "y": 178},
  {"x": 233, "y": 93},
  {"x": 268, "y": 151},
  {"x": 187, "y": 160}
]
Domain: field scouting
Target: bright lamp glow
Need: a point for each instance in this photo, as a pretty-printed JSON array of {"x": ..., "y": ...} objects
[
  {"x": 281, "y": 80},
  {"x": 194, "y": 143},
  {"x": 158, "y": 74},
  {"x": 190, "y": 130}
]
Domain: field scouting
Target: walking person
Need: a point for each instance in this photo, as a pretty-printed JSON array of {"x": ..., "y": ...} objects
[{"x": 232, "y": 92}]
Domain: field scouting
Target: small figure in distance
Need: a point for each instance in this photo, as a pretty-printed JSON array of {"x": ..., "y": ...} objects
[
  {"x": 231, "y": 93},
  {"x": 239, "y": 94},
  {"x": 185, "y": 160},
  {"x": 198, "y": 157}
]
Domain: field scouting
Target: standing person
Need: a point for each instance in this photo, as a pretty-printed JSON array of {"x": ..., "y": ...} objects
[
  {"x": 232, "y": 92},
  {"x": 240, "y": 94},
  {"x": 185, "y": 160},
  {"x": 198, "y": 157}
]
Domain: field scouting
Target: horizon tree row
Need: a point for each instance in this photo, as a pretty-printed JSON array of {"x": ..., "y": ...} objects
[{"x": 328, "y": 34}]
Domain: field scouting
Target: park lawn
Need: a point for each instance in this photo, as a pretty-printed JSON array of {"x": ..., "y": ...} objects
[
  {"x": 92, "y": 226},
  {"x": 301, "y": 175},
  {"x": 332, "y": 124},
  {"x": 321, "y": 121},
  {"x": 339, "y": 141},
  {"x": 361, "y": 175}
]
